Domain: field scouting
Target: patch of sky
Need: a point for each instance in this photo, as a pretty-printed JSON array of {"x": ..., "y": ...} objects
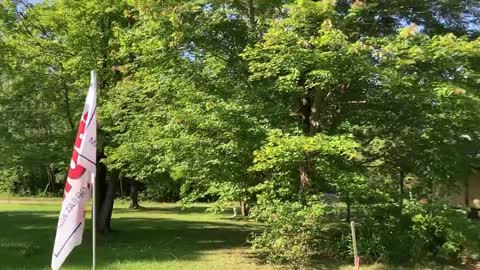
[
  {"x": 208, "y": 7},
  {"x": 188, "y": 55},
  {"x": 23, "y": 5},
  {"x": 188, "y": 52},
  {"x": 233, "y": 17}
]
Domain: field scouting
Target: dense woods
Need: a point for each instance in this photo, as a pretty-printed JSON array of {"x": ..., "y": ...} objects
[{"x": 309, "y": 113}]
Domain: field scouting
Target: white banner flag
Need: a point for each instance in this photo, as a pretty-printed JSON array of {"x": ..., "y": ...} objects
[{"x": 78, "y": 185}]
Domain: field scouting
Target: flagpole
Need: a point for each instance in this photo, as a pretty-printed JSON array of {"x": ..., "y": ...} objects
[
  {"x": 94, "y": 233},
  {"x": 94, "y": 196},
  {"x": 79, "y": 183}
]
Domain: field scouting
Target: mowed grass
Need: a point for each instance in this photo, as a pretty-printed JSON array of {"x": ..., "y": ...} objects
[{"x": 161, "y": 236}]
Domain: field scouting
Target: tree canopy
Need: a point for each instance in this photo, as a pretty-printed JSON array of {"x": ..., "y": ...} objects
[{"x": 265, "y": 102}]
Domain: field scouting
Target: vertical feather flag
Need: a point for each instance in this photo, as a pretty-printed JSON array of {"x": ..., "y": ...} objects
[{"x": 81, "y": 175}]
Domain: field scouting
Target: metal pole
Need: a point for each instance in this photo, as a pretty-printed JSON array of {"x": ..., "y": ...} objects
[
  {"x": 354, "y": 242},
  {"x": 94, "y": 231},
  {"x": 94, "y": 194}
]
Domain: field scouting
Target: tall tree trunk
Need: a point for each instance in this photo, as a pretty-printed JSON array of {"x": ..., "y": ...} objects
[
  {"x": 305, "y": 172},
  {"x": 100, "y": 187},
  {"x": 105, "y": 211},
  {"x": 104, "y": 189},
  {"x": 305, "y": 112},
  {"x": 49, "y": 179},
  {"x": 313, "y": 109},
  {"x": 120, "y": 184},
  {"x": 245, "y": 208},
  {"x": 317, "y": 112},
  {"x": 134, "y": 195},
  {"x": 66, "y": 99},
  {"x": 251, "y": 14},
  {"x": 67, "y": 105}
]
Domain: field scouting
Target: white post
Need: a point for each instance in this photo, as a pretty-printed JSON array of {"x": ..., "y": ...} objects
[
  {"x": 94, "y": 197},
  {"x": 356, "y": 260},
  {"x": 94, "y": 233}
]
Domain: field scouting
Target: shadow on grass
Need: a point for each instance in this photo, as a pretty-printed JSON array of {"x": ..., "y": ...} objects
[
  {"x": 167, "y": 209},
  {"x": 26, "y": 239}
]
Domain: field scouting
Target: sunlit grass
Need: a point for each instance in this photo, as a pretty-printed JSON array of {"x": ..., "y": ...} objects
[
  {"x": 160, "y": 236},
  {"x": 5, "y": 197}
]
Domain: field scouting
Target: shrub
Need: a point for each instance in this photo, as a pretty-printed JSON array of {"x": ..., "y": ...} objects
[
  {"x": 291, "y": 232},
  {"x": 422, "y": 232},
  {"x": 295, "y": 233},
  {"x": 441, "y": 231},
  {"x": 386, "y": 239},
  {"x": 7, "y": 180}
]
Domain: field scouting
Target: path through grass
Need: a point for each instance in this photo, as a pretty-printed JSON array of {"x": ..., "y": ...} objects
[{"x": 162, "y": 236}]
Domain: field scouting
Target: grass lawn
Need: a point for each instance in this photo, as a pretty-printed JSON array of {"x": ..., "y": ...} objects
[
  {"x": 161, "y": 236},
  {"x": 6, "y": 197}
]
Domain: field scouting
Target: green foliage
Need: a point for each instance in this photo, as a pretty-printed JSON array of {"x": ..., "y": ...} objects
[
  {"x": 194, "y": 115},
  {"x": 162, "y": 189},
  {"x": 283, "y": 151},
  {"x": 274, "y": 103},
  {"x": 292, "y": 232},
  {"x": 442, "y": 230},
  {"x": 424, "y": 231},
  {"x": 283, "y": 155},
  {"x": 48, "y": 49},
  {"x": 7, "y": 180},
  {"x": 296, "y": 233}
]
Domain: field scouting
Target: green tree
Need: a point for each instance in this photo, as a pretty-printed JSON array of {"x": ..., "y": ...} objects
[
  {"x": 187, "y": 106},
  {"x": 406, "y": 97},
  {"x": 51, "y": 49}
]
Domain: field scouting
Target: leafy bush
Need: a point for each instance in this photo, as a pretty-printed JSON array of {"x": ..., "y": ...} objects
[
  {"x": 296, "y": 233},
  {"x": 291, "y": 233},
  {"x": 430, "y": 231},
  {"x": 441, "y": 231},
  {"x": 385, "y": 239},
  {"x": 7, "y": 180}
]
